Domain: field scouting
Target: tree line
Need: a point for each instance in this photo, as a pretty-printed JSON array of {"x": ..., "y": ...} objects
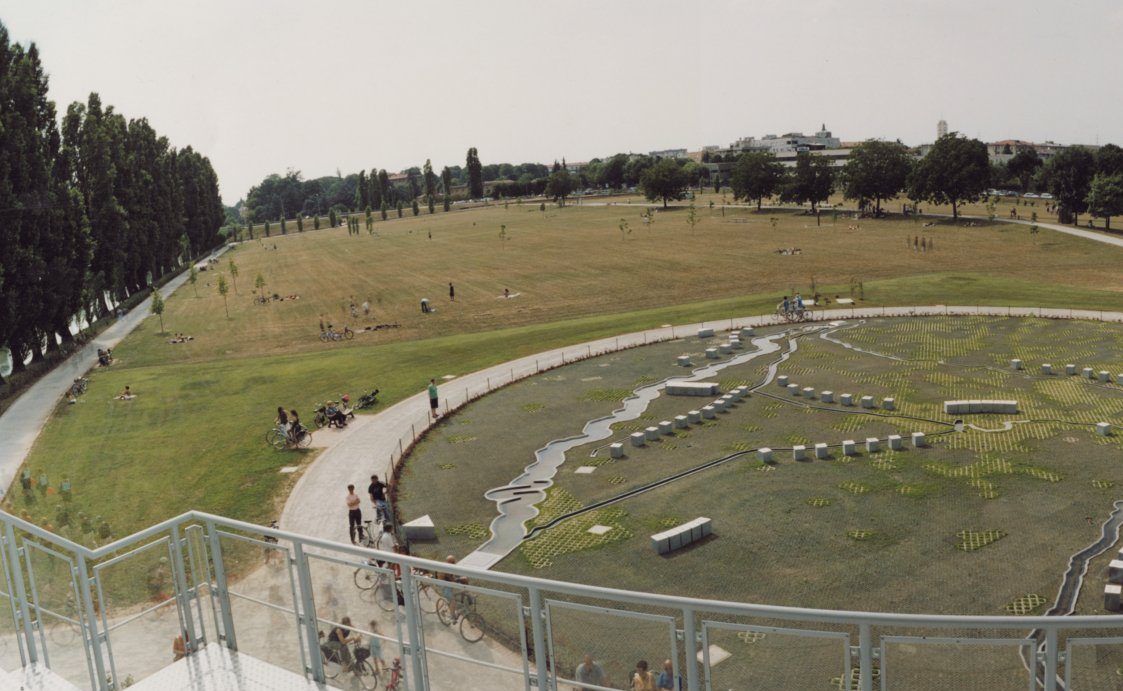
[{"x": 92, "y": 210}]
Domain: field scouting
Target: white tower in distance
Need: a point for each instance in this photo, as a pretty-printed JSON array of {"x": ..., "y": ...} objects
[{"x": 941, "y": 129}]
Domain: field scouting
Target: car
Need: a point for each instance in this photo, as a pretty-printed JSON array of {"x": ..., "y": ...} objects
[
  {"x": 1046, "y": 195},
  {"x": 1031, "y": 195}
]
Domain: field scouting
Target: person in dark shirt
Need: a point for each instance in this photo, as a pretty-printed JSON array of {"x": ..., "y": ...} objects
[{"x": 377, "y": 492}]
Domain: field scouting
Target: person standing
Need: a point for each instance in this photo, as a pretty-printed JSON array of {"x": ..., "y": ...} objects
[
  {"x": 433, "y": 401},
  {"x": 666, "y": 678},
  {"x": 451, "y": 292},
  {"x": 377, "y": 492},
  {"x": 386, "y": 543},
  {"x": 589, "y": 672},
  {"x": 354, "y": 515}
]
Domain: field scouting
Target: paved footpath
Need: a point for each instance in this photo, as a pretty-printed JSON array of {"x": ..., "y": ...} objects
[{"x": 21, "y": 423}]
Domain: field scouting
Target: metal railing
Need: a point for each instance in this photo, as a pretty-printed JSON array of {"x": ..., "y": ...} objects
[{"x": 106, "y": 617}]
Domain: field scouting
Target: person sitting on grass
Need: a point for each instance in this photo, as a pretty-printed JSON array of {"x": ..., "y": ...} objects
[
  {"x": 126, "y": 395},
  {"x": 335, "y": 415}
]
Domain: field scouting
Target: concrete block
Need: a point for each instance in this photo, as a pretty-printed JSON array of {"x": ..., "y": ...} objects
[
  {"x": 666, "y": 427},
  {"x": 681, "y": 421},
  {"x": 764, "y": 454},
  {"x": 705, "y": 333},
  {"x": 725, "y": 348},
  {"x": 1119, "y": 379},
  {"x": 822, "y": 451},
  {"x": 728, "y": 401},
  {"x": 711, "y": 354},
  {"x": 420, "y": 529},
  {"x": 1103, "y": 429},
  {"x": 1070, "y": 369},
  {"x": 1115, "y": 571},
  {"x": 1046, "y": 368},
  {"x": 739, "y": 393},
  {"x": 782, "y": 381},
  {"x": 867, "y": 401},
  {"x": 1111, "y": 596},
  {"x": 684, "y": 361},
  {"x": 708, "y": 412},
  {"x": 707, "y": 527},
  {"x": 676, "y": 540},
  {"x": 661, "y": 543},
  {"x": 826, "y": 396},
  {"x": 846, "y": 399},
  {"x": 808, "y": 392},
  {"x": 693, "y": 388},
  {"x": 1016, "y": 364},
  {"x": 736, "y": 343},
  {"x": 895, "y": 442},
  {"x": 848, "y": 447},
  {"x": 793, "y": 389},
  {"x": 919, "y": 440},
  {"x": 889, "y": 403},
  {"x": 694, "y": 416},
  {"x": 651, "y": 433},
  {"x": 616, "y": 450},
  {"x": 637, "y": 439},
  {"x": 747, "y": 332},
  {"x": 718, "y": 405},
  {"x": 1087, "y": 373},
  {"x": 1104, "y": 376},
  {"x": 799, "y": 453},
  {"x": 872, "y": 444}
]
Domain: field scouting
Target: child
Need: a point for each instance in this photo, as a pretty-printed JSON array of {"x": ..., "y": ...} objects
[{"x": 373, "y": 649}]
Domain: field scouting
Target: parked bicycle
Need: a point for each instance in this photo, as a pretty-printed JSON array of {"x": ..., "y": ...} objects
[
  {"x": 280, "y": 440},
  {"x": 464, "y": 612},
  {"x": 395, "y": 675},
  {"x": 331, "y": 334},
  {"x": 79, "y": 386}
]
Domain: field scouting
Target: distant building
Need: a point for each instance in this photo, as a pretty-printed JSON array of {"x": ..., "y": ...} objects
[
  {"x": 941, "y": 128},
  {"x": 577, "y": 167},
  {"x": 1004, "y": 150},
  {"x": 669, "y": 153},
  {"x": 790, "y": 142}
]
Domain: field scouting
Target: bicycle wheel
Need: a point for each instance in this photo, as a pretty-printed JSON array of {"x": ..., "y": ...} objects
[
  {"x": 63, "y": 633},
  {"x": 277, "y": 439},
  {"x": 324, "y": 336},
  {"x": 427, "y": 598},
  {"x": 305, "y": 440},
  {"x": 444, "y": 612},
  {"x": 471, "y": 627},
  {"x": 332, "y": 666},
  {"x": 349, "y": 334},
  {"x": 365, "y": 579},
  {"x": 364, "y": 672},
  {"x": 386, "y": 596}
]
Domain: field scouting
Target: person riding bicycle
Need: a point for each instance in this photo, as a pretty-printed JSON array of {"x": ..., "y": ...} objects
[
  {"x": 786, "y": 306},
  {"x": 339, "y": 639},
  {"x": 296, "y": 430},
  {"x": 798, "y": 302},
  {"x": 447, "y": 591}
]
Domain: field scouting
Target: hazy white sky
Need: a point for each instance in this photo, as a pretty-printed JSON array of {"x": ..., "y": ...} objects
[{"x": 260, "y": 86}]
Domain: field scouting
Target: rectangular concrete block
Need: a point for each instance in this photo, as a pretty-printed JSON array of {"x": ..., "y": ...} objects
[
  {"x": 1104, "y": 376},
  {"x": 895, "y": 442},
  {"x": 681, "y": 421},
  {"x": 764, "y": 454},
  {"x": 889, "y": 403},
  {"x": 666, "y": 427},
  {"x": 708, "y": 412},
  {"x": 717, "y": 404},
  {"x": 637, "y": 439},
  {"x": 651, "y": 433},
  {"x": 725, "y": 348},
  {"x": 867, "y": 401},
  {"x": 782, "y": 381},
  {"x": 919, "y": 440},
  {"x": 1046, "y": 368},
  {"x": 1111, "y": 596},
  {"x": 747, "y": 332},
  {"x": 694, "y": 416},
  {"x": 661, "y": 543},
  {"x": 1119, "y": 379},
  {"x": 705, "y": 333},
  {"x": 693, "y": 388},
  {"x": 826, "y": 396},
  {"x": 1103, "y": 429},
  {"x": 846, "y": 399},
  {"x": 736, "y": 343},
  {"x": 848, "y": 447},
  {"x": 822, "y": 451},
  {"x": 712, "y": 354},
  {"x": 421, "y": 528},
  {"x": 1070, "y": 369},
  {"x": 684, "y": 361},
  {"x": 739, "y": 393},
  {"x": 1087, "y": 373},
  {"x": 616, "y": 450},
  {"x": 1016, "y": 364},
  {"x": 808, "y": 392},
  {"x": 793, "y": 389},
  {"x": 872, "y": 444},
  {"x": 728, "y": 401},
  {"x": 799, "y": 453},
  {"x": 1115, "y": 571}
]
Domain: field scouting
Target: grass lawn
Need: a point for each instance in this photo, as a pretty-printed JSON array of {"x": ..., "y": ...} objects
[{"x": 194, "y": 436}]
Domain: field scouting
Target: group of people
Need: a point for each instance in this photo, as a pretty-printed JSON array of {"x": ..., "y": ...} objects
[
  {"x": 920, "y": 244},
  {"x": 289, "y": 423},
  {"x": 180, "y": 338},
  {"x": 104, "y": 357},
  {"x": 643, "y": 679},
  {"x": 376, "y": 491},
  {"x": 341, "y": 638},
  {"x": 790, "y": 305}
]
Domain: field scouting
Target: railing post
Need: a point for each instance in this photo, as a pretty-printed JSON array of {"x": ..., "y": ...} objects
[
  {"x": 1051, "y": 655},
  {"x": 540, "y": 652},
  {"x": 87, "y": 621},
  {"x": 690, "y": 646},
  {"x": 16, "y": 568},
  {"x": 220, "y": 588},
  {"x": 413, "y": 624},
  {"x": 865, "y": 657},
  {"x": 181, "y": 591},
  {"x": 308, "y": 613}
]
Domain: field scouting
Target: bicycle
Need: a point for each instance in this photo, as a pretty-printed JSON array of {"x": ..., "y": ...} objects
[
  {"x": 280, "y": 440},
  {"x": 64, "y": 631},
  {"x": 795, "y": 315},
  {"x": 333, "y": 335},
  {"x": 395, "y": 675},
  {"x": 471, "y": 623},
  {"x": 336, "y": 662},
  {"x": 79, "y": 386}
]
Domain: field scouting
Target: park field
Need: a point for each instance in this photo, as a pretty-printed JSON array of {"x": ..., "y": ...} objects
[{"x": 193, "y": 438}]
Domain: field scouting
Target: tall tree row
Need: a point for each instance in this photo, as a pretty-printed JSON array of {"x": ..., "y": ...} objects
[{"x": 90, "y": 212}]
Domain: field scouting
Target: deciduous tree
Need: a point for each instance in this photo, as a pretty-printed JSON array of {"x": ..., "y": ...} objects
[
  {"x": 1105, "y": 197},
  {"x": 664, "y": 180},
  {"x": 955, "y": 171},
  {"x": 876, "y": 170},
  {"x": 757, "y": 175}
]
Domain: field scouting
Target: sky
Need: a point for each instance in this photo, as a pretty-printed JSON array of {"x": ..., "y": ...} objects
[{"x": 263, "y": 86}]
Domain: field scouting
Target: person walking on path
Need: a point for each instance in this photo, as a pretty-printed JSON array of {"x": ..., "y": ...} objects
[
  {"x": 433, "y": 399},
  {"x": 451, "y": 292},
  {"x": 354, "y": 515},
  {"x": 377, "y": 492}
]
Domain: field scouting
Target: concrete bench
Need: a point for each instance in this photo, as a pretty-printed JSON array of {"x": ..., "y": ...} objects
[
  {"x": 651, "y": 433},
  {"x": 1070, "y": 369},
  {"x": 1104, "y": 376},
  {"x": 638, "y": 439},
  {"x": 712, "y": 354},
  {"x": 822, "y": 451},
  {"x": 826, "y": 396},
  {"x": 980, "y": 406},
  {"x": 848, "y": 447},
  {"x": 1046, "y": 368},
  {"x": 919, "y": 440},
  {"x": 1016, "y": 364},
  {"x": 709, "y": 412},
  {"x": 705, "y": 333},
  {"x": 808, "y": 392},
  {"x": 616, "y": 450},
  {"x": 867, "y": 401},
  {"x": 681, "y": 535},
  {"x": 1103, "y": 429},
  {"x": 764, "y": 454},
  {"x": 799, "y": 452},
  {"x": 889, "y": 404},
  {"x": 747, "y": 332},
  {"x": 725, "y": 348},
  {"x": 420, "y": 529},
  {"x": 1086, "y": 372},
  {"x": 694, "y": 416},
  {"x": 846, "y": 399},
  {"x": 684, "y": 361},
  {"x": 895, "y": 442},
  {"x": 782, "y": 381},
  {"x": 793, "y": 389},
  {"x": 681, "y": 421},
  {"x": 693, "y": 388},
  {"x": 666, "y": 427}
]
